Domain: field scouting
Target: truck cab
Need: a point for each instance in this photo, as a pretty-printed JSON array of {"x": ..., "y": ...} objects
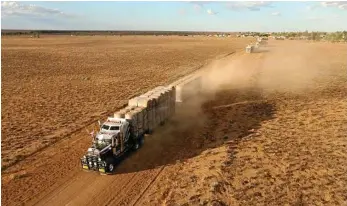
[{"x": 112, "y": 141}]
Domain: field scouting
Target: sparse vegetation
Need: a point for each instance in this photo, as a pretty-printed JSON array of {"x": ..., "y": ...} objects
[{"x": 315, "y": 36}]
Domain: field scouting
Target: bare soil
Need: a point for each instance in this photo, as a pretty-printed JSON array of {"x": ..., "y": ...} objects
[
  {"x": 279, "y": 139},
  {"x": 269, "y": 129},
  {"x": 56, "y": 85}
]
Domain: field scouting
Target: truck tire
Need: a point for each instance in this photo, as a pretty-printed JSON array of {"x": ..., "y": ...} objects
[
  {"x": 110, "y": 165},
  {"x": 139, "y": 142},
  {"x": 142, "y": 140}
]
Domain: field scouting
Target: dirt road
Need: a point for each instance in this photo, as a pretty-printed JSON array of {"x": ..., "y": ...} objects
[{"x": 250, "y": 108}]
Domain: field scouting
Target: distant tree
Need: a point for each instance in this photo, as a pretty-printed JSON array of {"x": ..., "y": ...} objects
[
  {"x": 315, "y": 36},
  {"x": 36, "y": 34},
  {"x": 335, "y": 36}
]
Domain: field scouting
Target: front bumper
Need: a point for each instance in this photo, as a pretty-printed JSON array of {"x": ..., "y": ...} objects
[{"x": 93, "y": 163}]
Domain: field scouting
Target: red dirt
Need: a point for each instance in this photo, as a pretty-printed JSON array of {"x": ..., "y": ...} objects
[
  {"x": 270, "y": 129},
  {"x": 53, "y": 86}
]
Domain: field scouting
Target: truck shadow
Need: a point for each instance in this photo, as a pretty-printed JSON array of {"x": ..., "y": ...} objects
[{"x": 207, "y": 121}]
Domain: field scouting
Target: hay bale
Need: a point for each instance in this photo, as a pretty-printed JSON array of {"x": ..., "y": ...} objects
[
  {"x": 154, "y": 121},
  {"x": 132, "y": 117},
  {"x": 159, "y": 88},
  {"x": 128, "y": 108},
  {"x": 147, "y": 94},
  {"x": 150, "y": 120},
  {"x": 167, "y": 104},
  {"x": 140, "y": 119},
  {"x": 143, "y": 118},
  {"x": 145, "y": 102},
  {"x": 150, "y": 114},
  {"x": 172, "y": 101},
  {"x": 158, "y": 98},
  {"x": 169, "y": 99},
  {"x": 163, "y": 105},
  {"x": 133, "y": 101}
]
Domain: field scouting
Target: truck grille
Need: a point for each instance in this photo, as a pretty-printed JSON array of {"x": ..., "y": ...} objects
[{"x": 93, "y": 162}]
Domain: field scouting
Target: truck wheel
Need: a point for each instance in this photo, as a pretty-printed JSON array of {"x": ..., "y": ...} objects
[
  {"x": 137, "y": 145},
  {"x": 110, "y": 166},
  {"x": 142, "y": 140}
]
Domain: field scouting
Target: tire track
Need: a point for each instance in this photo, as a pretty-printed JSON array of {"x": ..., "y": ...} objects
[
  {"x": 147, "y": 187},
  {"x": 126, "y": 192},
  {"x": 102, "y": 190},
  {"x": 79, "y": 181}
]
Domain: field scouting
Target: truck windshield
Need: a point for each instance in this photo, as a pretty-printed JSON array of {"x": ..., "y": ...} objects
[
  {"x": 114, "y": 128},
  {"x": 106, "y": 127}
]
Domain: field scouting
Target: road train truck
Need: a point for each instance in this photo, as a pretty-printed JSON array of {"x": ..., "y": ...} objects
[
  {"x": 115, "y": 138},
  {"x": 125, "y": 131}
]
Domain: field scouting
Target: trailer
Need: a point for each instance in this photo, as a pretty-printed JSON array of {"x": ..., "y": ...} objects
[{"x": 126, "y": 130}]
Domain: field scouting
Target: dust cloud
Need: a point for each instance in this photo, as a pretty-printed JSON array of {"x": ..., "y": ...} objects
[
  {"x": 284, "y": 68},
  {"x": 289, "y": 67}
]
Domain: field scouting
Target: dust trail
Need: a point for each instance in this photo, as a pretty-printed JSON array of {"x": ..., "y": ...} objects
[
  {"x": 248, "y": 77},
  {"x": 289, "y": 67},
  {"x": 284, "y": 67}
]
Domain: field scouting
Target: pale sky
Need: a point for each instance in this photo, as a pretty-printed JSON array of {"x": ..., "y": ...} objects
[{"x": 175, "y": 16}]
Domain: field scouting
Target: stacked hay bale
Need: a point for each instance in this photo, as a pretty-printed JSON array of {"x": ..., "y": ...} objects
[
  {"x": 148, "y": 102},
  {"x": 143, "y": 106},
  {"x": 159, "y": 97},
  {"x": 172, "y": 100},
  {"x": 149, "y": 110},
  {"x": 141, "y": 119},
  {"x": 178, "y": 88},
  {"x": 133, "y": 117},
  {"x": 163, "y": 103},
  {"x": 154, "y": 110}
]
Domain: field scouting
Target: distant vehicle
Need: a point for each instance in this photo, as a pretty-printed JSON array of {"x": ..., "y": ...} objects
[{"x": 250, "y": 49}]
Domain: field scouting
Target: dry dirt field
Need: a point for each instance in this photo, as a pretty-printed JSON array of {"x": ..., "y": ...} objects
[
  {"x": 269, "y": 129},
  {"x": 55, "y": 85},
  {"x": 276, "y": 133}
]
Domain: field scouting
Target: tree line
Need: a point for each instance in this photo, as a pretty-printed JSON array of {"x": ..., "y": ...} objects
[{"x": 315, "y": 36}]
